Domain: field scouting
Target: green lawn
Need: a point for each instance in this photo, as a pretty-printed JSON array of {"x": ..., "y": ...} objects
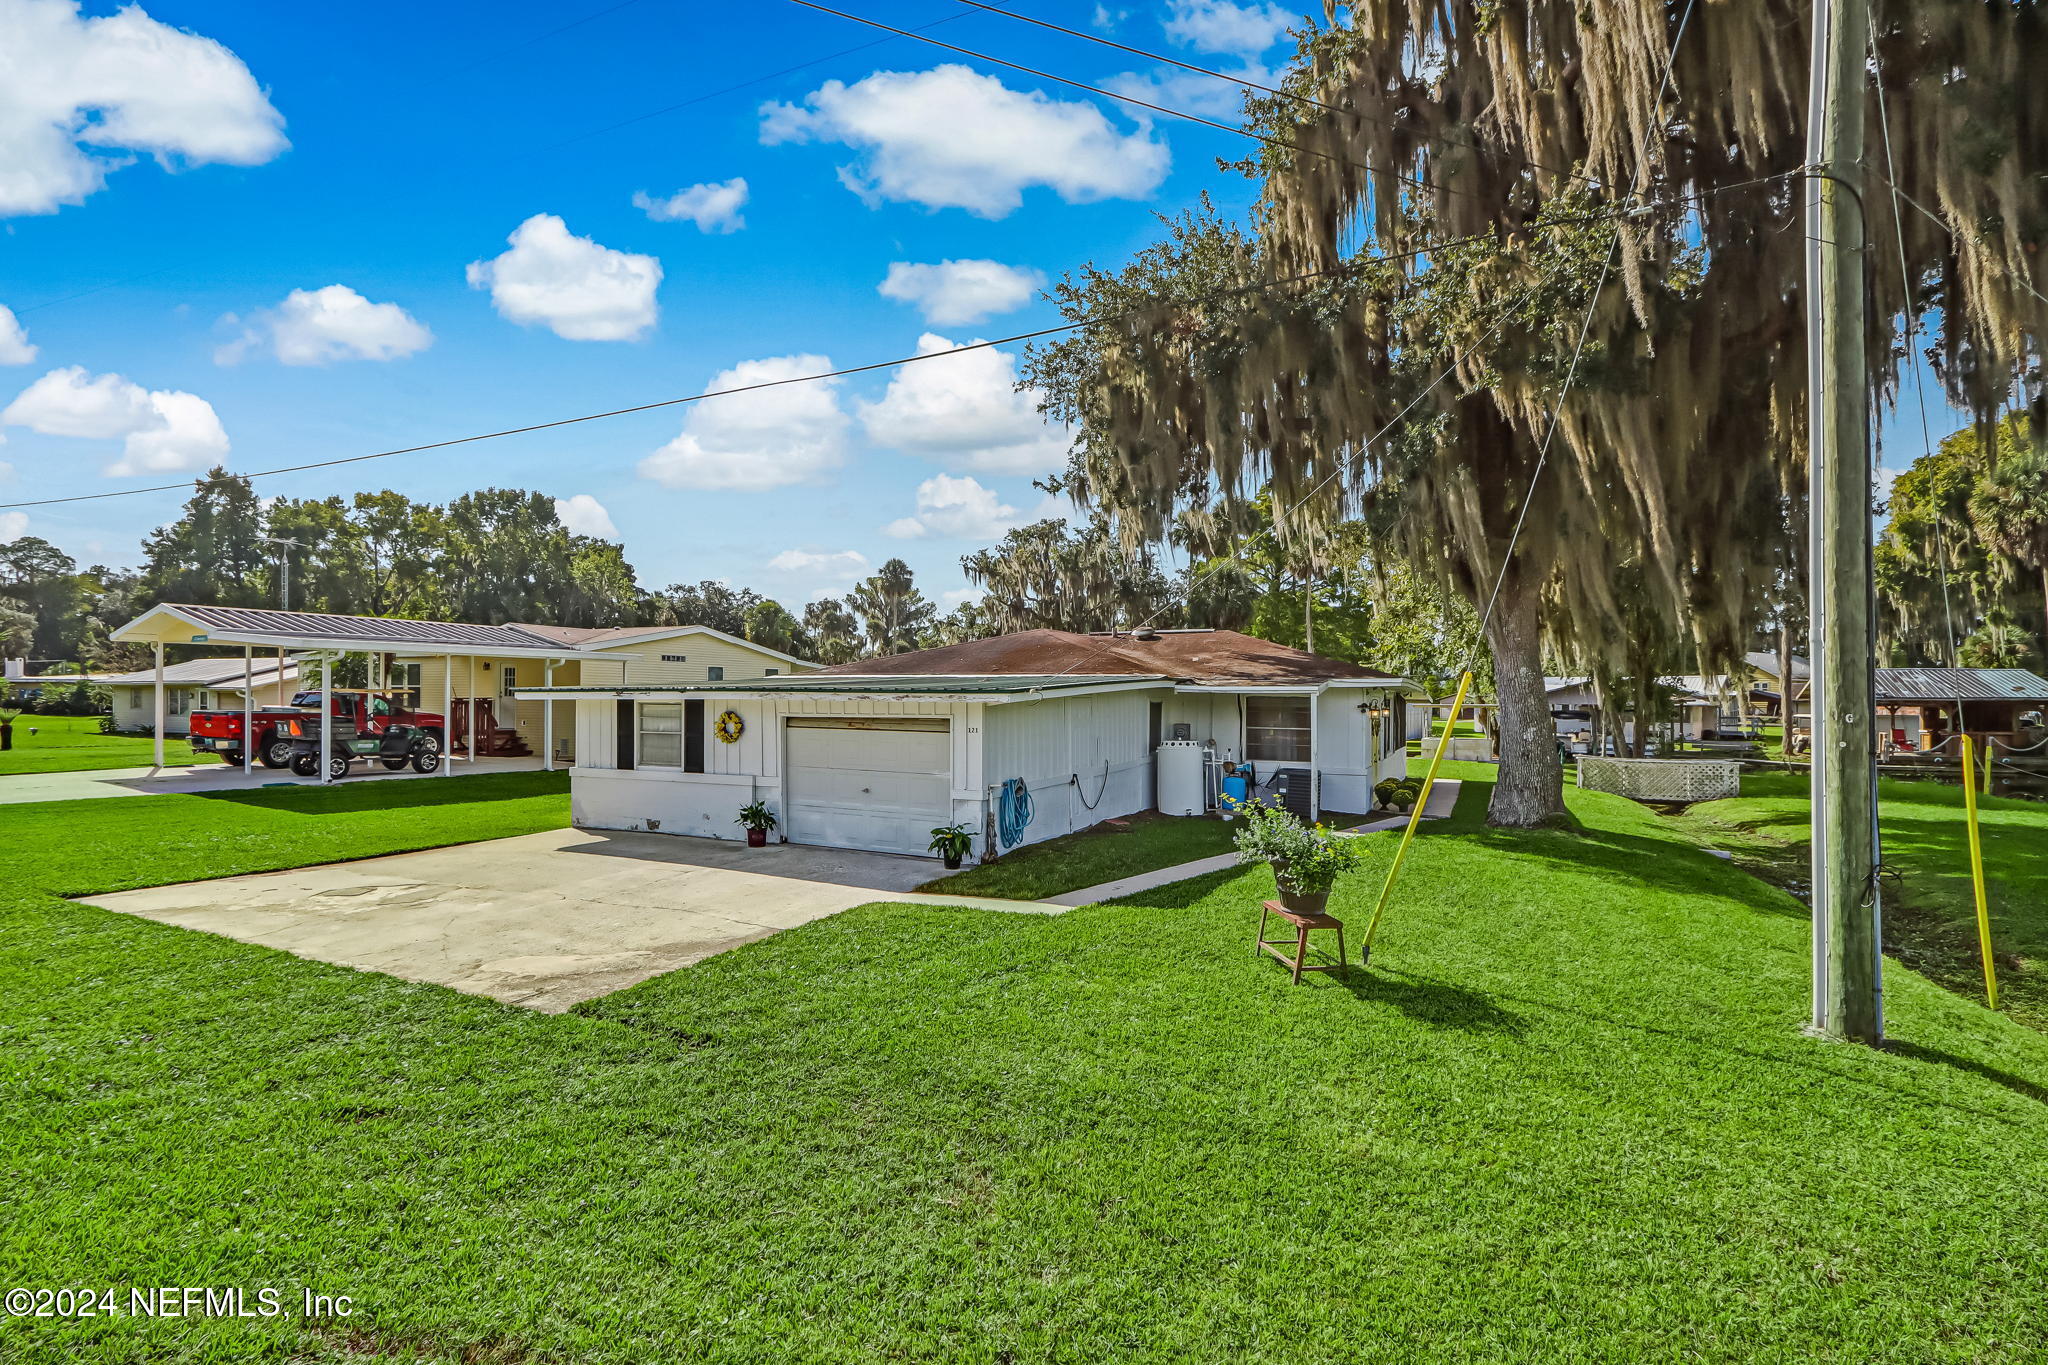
[
  {"x": 1090, "y": 857},
  {"x": 75, "y": 744},
  {"x": 1930, "y": 912},
  {"x": 1568, "y": 1117}
]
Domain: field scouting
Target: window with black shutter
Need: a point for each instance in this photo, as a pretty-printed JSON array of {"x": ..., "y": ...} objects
[
  {"x": 693, "y": 736},
  {"x": 626, "y": 727}
]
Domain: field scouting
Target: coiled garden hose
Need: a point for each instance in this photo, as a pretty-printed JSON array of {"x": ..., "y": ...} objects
[{"x": 1013, "y": 811}]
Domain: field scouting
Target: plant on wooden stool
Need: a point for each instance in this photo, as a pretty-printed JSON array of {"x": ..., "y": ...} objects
[
  {"x": 758, "y": 819},
  {"x": 1306, "y": 859},
  {"x": 952, "y": 842}
]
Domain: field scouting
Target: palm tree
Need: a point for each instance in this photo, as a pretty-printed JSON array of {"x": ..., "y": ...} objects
[
  {"x": 891, "y": 609},
  {"x": 2009, "y": 506}
]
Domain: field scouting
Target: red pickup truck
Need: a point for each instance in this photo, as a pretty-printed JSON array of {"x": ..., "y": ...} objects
[{"x": 370, "y": 713}]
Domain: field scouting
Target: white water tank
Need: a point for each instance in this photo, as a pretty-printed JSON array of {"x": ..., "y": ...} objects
[{"x": 1181, "y": 787}]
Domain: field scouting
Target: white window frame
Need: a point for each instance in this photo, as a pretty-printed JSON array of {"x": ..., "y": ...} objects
[
  {"x": 1261, "y": 737},
  {"x": 657, "y": 710}
]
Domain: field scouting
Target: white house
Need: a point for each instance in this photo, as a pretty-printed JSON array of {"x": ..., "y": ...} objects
[
  {"x": 194, "y": 685},
  {"x": 876, "y": 754}
]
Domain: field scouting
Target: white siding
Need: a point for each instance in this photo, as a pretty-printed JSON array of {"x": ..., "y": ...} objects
[
  {"x": 1068, "y": 750},
  {"x": 1344, "y": 748}
]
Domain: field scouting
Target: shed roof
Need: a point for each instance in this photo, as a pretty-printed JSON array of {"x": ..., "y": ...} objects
[
  {"x": 1212, "y": 657},
  {"x": 202, "y": 673},
  {"x": 1966, "y": 684}
]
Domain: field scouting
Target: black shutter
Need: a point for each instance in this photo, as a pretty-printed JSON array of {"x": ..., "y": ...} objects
[
  {"x": 626, "y": 725},
  {"x": 693, "y": 736}
]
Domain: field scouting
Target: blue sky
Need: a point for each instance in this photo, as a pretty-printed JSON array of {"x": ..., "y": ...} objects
[
  {"x": 271, "y": 235},
  {"x": 420, "y": 139}
]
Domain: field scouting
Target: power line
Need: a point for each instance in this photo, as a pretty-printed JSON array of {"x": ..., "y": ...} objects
[
  {"x": 748, "y": 84},
  {"x": 747, "y": 388},
  {"x": 1578, "y": 349},
  {"x": 1168, "y": 110},
  {"x": 1248, "y": 84}
]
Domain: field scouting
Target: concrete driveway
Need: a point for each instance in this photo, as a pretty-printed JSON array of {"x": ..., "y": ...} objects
[{"x": 543, "y": 920}]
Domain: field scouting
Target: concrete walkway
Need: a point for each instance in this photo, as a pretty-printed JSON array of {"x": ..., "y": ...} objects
[
  {"x": 215, "y": 777},
  {"x": 1442, "y": 797},
  {"x": 543, "y": 920}
]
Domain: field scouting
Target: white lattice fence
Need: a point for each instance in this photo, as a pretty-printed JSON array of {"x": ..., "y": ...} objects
[{"x": 1662, "y": 779}]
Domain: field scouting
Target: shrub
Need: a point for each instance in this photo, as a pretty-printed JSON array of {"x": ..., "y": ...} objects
[{"x": 1308, "y": 858}]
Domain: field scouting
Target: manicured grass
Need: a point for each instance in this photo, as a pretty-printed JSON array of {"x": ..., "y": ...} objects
[
  {"x": 1090, "y": 857},
  {"x": 74, "y": 744},
  {"x": 1930, "y": 911},
  {"x": 1105, "y": 853},
  {"x": 1568, "y": 1116}
]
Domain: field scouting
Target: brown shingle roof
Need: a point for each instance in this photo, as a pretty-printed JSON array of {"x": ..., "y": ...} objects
[{"x": 1199, "y": 656}]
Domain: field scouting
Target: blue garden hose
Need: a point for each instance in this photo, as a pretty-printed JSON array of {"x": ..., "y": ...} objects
[{"x": 1013, "y": 811}]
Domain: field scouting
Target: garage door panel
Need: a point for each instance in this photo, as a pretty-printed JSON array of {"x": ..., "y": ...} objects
[{"x": 870, "y": 787}]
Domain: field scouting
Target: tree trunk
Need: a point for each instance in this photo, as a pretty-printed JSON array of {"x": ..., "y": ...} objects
[
  {"x": 1785, "y": 686},
  {"x": 1530, "y": 792}
]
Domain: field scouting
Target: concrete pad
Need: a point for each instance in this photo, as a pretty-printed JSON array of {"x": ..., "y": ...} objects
[
  {"x": 543, "y": 920},
  {"x": 215, "y": 777}
]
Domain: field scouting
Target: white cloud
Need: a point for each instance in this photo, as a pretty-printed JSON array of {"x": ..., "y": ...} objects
[
  {"x": 713, "y": 207},
  {"x": 584, "y": 515},
  {"x": 76, "y": 93},
  {"x": 955, "y": 509},
  {"x": 751, "y": 442},
  {"x": 966, "y": 411},
  {"x": 953, "y": 293},
  {"x": 911, "y": 127},
  {"x": 13, "y": 525},
  {"x": 162, "y": 430},
  {"x": 15, "y": 348},
  {"x": 321, "y": 326},
  {"x": 582, "y": 291},
  {"x": 957, "y": 597},
  {"x": 839, "y": 565},
  {"x": 1196, "y": 93},
  {"x": 1219, "y": 26}
]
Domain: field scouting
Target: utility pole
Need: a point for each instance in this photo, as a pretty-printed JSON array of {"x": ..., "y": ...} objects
[{"x": 1848, "y": 1001}]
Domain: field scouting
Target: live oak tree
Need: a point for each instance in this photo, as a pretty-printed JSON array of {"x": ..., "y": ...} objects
[{"x": 1513, "y": 196}]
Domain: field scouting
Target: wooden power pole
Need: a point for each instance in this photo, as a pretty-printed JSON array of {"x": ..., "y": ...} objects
[{"x": 1848, "y": 1001}]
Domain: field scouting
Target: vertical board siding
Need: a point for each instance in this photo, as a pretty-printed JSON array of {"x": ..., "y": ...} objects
[{"x": 1064, "y": 748}]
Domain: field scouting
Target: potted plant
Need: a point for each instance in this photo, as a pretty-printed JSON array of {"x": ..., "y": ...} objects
[
  {"x": 952, "y": 842},
  {"x": 1306, "y": 859},
  {"x": 759, "y": 820}
]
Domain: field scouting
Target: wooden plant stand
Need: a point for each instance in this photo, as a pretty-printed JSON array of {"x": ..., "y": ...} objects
[{"x": 1299, "y": 962}]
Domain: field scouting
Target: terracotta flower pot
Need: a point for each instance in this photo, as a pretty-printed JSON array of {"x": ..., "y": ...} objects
[{"x": 757, "y": 838}]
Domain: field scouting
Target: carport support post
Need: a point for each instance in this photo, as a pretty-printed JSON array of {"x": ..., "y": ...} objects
[
  {"x": 248, "y": 710},
  {"x": 159, "y": 703},
  {"x": 447, "y": 715},
  {"x": 547, "y": 720},
  {"x": 327, "y": 717}
]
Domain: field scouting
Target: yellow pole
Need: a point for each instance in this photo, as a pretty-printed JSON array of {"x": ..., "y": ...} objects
[
  {"x": 1977, "y": 872},
  {"x": 1415, "y": 817}
]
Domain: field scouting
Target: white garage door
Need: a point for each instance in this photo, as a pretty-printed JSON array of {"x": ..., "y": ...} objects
[{"x": 875, "y": 784}]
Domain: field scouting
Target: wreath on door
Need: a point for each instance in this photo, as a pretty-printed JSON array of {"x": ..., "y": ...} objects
[{"x": 730, "y": 727}]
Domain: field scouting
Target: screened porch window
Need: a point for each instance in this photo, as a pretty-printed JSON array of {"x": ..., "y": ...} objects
[
  {"x": 1276, "y": 729},
  {"x": 661, "y": 734}
]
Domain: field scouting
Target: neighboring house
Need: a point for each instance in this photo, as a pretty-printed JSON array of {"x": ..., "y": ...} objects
[
  {"x": 194, "y": 685},
  {"x": 463, "y": 669},
  {"x": 1917, "y": 708},
  {"x": 632, "y": 654},
  {"x": 876, "y": 754}
]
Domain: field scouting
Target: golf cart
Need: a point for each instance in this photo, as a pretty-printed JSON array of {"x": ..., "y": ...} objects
[{"x": 396, "y": 746}]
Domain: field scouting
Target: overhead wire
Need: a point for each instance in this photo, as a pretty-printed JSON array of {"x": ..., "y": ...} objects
[
  {"x": 1249, "y": 84},
  {"x": 1252, "y": 133}
]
